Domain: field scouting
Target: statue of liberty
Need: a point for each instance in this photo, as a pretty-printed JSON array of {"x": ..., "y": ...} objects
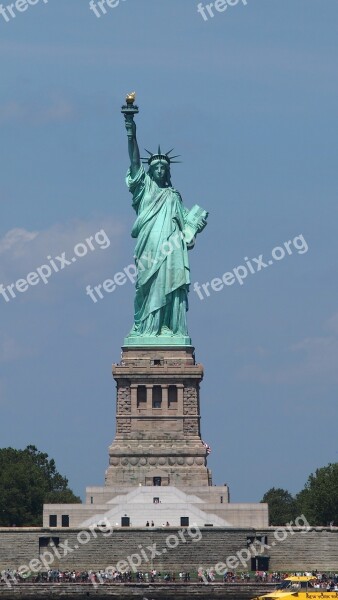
[{"x": 165, "y": 231}]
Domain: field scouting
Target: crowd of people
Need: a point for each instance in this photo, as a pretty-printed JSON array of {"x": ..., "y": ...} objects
[
  {"x": 94, "y": 577},
  {"x": 325, "y": 581}
]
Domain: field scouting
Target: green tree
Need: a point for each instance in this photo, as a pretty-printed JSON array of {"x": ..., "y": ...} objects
[
  {"x": 28, "y": 479},
  {"x": 318, "y": 501},
  {"x": 282, "y": 506}
]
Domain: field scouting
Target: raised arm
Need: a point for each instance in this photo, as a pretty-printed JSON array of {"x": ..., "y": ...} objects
[{"x": 134, "y": 152}]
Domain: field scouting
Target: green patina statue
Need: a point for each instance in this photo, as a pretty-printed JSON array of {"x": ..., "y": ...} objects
[{"x": 165, "y": 230}]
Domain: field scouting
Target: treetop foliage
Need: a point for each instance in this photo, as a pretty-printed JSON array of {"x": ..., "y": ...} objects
[
  {"x": 28, "y": 479},
  {"x": 317, "y": 501}
]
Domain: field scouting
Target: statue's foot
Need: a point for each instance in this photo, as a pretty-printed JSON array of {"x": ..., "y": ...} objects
[
  {"x": 166, "y": 331},
  {"x": 133, "y": 332}
]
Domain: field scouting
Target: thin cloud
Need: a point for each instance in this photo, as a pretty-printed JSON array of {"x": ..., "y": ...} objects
[
  {"x": 311, "y": 359},
  {"x": 23, "y": 251},
  {"x": 56, "y": 110},
  {"x": 60, "y": 110},
  {"x": 10, "y": 350},
  {"x": 15, "y": 241},
  {"x": 247, "y": 59}
]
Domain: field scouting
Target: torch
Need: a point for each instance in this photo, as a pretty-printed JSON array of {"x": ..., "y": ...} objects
[{"x": 129, "y": 110}]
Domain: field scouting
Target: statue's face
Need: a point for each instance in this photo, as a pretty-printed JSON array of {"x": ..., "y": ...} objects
[{"x": 160, "y": 173}]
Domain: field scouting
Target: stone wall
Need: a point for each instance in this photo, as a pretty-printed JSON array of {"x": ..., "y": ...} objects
[
  {"x": 135, "y": 591},
  {"x": 315, "y": 549}
]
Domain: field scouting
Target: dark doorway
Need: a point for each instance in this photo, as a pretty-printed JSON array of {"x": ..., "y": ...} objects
[
  {"x": 125, "y": 522},
  {"x": 43, "y": 542},
  {"x": 157, "y": 480},
  {"x": 260, "y": 563}
]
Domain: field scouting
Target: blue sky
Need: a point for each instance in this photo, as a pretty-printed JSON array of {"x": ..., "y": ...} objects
[{"x": 249, "y": 99}]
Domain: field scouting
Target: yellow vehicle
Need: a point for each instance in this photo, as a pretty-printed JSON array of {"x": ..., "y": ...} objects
[{"x": 301, "y": 587}]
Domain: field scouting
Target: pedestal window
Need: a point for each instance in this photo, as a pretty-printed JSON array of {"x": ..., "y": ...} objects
[
  {"x": 172, "y": 396},
  {"x": 157, "y": 396},
  {"x": 141, "y": 396}
]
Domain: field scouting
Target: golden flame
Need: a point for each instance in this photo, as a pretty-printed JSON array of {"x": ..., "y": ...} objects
[{"x": 130, "y": 98}]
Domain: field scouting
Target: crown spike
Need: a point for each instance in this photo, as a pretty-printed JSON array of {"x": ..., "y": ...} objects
[{"x": 159, "y": 157}]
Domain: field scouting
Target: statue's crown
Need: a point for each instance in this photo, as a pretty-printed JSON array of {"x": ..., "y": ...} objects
[{"x": 160, "y": 156}]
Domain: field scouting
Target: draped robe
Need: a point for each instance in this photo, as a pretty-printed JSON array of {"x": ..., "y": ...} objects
[{"x": 161, "y": 256}]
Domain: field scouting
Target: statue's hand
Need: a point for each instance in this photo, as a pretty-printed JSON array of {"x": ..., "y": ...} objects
[{"x": 130, "y": 126}]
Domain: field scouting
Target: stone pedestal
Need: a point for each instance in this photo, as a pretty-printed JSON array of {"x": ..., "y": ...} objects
[
  {"x": 157, "y": 462},
  {"x": 158, "y": 440}
]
